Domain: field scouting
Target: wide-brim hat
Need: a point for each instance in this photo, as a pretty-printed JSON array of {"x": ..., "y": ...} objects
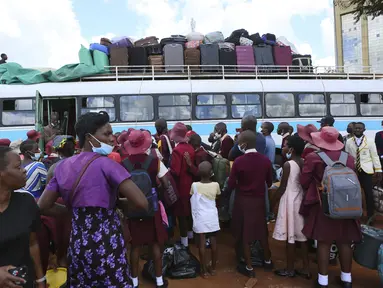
[
  {"x": 33, "y": 135},
  {"x": 327, "y": 139},
  {"x": 138, "y": 142},
  {"x": 178, "y": 133},
  {"x": 305, "y": 132}
]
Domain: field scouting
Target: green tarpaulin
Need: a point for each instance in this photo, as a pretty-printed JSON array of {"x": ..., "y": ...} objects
[{"x": 13, "y": 73}]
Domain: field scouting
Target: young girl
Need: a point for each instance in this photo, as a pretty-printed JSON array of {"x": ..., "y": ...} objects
[
  {"x": 289, "y": 222},
  {"x": 205, "y": 215}
]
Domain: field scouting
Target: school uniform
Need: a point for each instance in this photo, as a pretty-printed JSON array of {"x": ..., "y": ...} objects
[
  {"x": 183, "y": 178},
  {"x": 149, "y": 230},
  {"x": 309, "y": 148},
  {"x": 164, "y": 148},
  {"x": 317, "y": 225},
  {"x": 226, "y": 144},
  {"x": 200, "y": 156},
  {"x": 248, "y": 220}
]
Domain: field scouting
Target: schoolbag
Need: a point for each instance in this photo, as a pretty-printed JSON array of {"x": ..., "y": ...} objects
[
  {"x": 141, "y": 178},
  {"x": 340, "y": 194},
  {"x": 221, "y": 168}
]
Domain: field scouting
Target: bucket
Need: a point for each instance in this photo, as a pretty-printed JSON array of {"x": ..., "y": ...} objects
[
  {"x": 57, "y": 279},
  {"x": 366, "y": 252}
]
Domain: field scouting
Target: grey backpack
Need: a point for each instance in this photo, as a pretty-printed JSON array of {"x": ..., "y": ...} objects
[{"x": 340, "y": 194}]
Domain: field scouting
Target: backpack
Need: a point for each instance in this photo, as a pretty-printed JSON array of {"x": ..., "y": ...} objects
[
  {"x": 340, "y": 194},
  {"x": 221, "y": 168},
  {"x": 141, "y": 178}
]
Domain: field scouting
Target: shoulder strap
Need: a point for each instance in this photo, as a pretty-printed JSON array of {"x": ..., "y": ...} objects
[
  {"x": 343, "y": 158},
  {"x": 169, "y": 144},
  {"x": 128, "y": 165},
  {"x": 80, "y": 176},
  {"x": 325, "y": 158}
]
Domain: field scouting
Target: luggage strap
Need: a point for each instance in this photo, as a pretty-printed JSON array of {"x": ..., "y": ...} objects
[
  {"x": 342, "y": 158},
  {"x": 169, "y": 144},
  {"x": 144, "y": 165}
]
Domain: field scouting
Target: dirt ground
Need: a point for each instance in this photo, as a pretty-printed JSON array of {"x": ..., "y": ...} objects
[{"x": 228, "y": 277}]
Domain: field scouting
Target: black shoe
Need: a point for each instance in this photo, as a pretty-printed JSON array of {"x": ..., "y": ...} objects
[
  {"x": 241, "y": 268},
  {"x": 306, "y": 275},
  {"x": 285, "y": 273},
  {"x": 317, "y": 285},
  {"x": 165, "y": 285},
  {"x": 268, "y": 266},
  {"x": 345, "y": 284}
]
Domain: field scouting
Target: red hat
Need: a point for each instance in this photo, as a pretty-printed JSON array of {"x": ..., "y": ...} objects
[
  {"x": 124, "y": 136},
  {"x": 305, "y": 132},
  {"x": 33, "y": 135},
  {"x": 178, "y": 133},
  {"x": 5, "y": 142},
  {"x": 327, "y": 139},
  {"x": 138, "y": 142}
]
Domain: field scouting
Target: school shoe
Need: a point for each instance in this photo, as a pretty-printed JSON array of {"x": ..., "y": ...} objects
[
  {"x": 317, "y": 285},
  {"x": 165, "y": 285},
  {"x": 241, "y": 268},
  {"x": 268, "y": 266},
  {"x": 345, "y": 284}
]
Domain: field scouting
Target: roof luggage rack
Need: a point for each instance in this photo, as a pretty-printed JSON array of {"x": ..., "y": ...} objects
[{"x": 126, "y": 73}]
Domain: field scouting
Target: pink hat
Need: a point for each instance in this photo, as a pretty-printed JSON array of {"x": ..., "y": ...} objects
[
  {"x": 178, "y": 133},
  {"x": 138, "y": 142},
  {"x": 124, "y": 136},
  {"x": 305, "y": 132},
  {"x": 327, "y": 139}
]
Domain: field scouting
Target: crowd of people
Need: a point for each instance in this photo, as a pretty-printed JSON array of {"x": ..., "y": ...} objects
[{"x": 92, "y": 198}]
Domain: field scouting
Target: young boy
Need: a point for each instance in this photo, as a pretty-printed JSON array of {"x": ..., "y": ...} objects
[
  {"x": 205, "y": 215},
  {"x": 248, "y": 176}
]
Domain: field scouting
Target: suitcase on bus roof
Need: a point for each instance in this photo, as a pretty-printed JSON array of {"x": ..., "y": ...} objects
[
  {"x": 138, "y": 57},
  {"x": 282, "y": 57},
  {"x": 155, "y": 49},
  {"x": 264, "y": 57},
  {"x": 157, "y": 61},
  {"x": 151, "y": 40},
  {"x": 209, "y": 57},
  {"x": 193, "y": 58},
  {"x": 174, "y": 57},
  {"x": 228, "y": 57},
  {"x": 119, "y": 57},
  {"x": 245, "y": 57}
]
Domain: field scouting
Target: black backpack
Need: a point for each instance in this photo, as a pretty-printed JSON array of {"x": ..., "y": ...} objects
[{"x": 141, "y": 178}]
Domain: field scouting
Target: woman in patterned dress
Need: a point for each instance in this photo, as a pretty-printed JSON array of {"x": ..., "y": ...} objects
[{"x": 96, "y": 253}]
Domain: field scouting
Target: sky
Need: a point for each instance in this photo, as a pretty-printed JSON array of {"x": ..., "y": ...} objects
[{"x": 49, "y": 33}]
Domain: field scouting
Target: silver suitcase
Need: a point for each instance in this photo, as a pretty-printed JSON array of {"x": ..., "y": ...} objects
[{"x": 174, "y": 55}]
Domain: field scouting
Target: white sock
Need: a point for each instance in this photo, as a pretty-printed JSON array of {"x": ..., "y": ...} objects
[
  {"x": 185, "y": 241},
  {"x": 190, "y": 234},
  {"x": 249, "y": 269},
  {"x": 135, "y": 281},
  {"x": 345, "y": 277},
  {"x": 159, "y": 281},
  {"x": 323, "y": 279}
]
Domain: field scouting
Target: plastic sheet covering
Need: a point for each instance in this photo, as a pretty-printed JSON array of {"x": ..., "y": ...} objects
[
  {"x": 13, "y": 73},
  {"x": 283, "y": 40},
  {"x": 100, "y": 59},
  {"x": 85, "y": 56}
]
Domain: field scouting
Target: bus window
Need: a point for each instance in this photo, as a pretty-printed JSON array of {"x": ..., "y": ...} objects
[
  {"x": 245, "y": 104},
  {"x": 211, "y": 107},
  {"x": 97, "y": 104},
  {"x": 136, "y": 108},
  {"x": 280, "y": 105},
  {"x": 312, "y": 105},
  {"x": 342, "y": 105},
  {"x": 174, "y": 107},
  {"x": 371, "y": 104},
  {"x": 18, "y": 112}
]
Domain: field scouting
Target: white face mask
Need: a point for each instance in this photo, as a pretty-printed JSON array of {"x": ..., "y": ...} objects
[
  {"x": 104, "y": 148},
  {"x": 36, "y": 157}
]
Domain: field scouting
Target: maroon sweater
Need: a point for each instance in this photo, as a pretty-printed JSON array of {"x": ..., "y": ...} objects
[{"x": 249, "y": 174}]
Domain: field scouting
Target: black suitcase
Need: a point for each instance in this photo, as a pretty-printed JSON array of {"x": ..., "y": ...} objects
[
  {"x": 155, "y": 49},
  {"x": 228, "y": 57},
  {"x": 209, "y": 57},
  {"x": 138, "y": 56},
  {"x": 174, "y": 39}
]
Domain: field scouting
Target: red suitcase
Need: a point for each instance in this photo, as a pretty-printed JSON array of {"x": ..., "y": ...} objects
[{"x": 282, "y": 57}]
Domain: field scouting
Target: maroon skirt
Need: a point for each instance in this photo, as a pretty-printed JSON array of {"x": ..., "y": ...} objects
[
  {"x": 249, "y": 219},
  {"x": 322, "y": 228},
  {"x": 147, "y": 231},
  {"x": 182, "y": 207}
]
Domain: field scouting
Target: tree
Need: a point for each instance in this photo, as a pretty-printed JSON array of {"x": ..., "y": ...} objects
[{"x": 372, "y": 8}]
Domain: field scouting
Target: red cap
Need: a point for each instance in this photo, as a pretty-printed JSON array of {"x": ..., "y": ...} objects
[
  {"x": 5, "y": 142},
  {"x": 33, "y": 135}
]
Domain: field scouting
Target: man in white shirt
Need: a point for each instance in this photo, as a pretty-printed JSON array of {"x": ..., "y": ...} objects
[{"x": 367, "y": 163}]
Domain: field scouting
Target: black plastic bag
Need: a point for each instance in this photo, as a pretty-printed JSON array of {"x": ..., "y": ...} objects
[
  {"x": 187, "y": 270},
  {"x": 148, "y": 271},
  {"x": 180, "y": 255}
]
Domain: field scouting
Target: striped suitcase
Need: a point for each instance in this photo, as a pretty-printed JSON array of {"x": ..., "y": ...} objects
[{"x": 193, "y": 58}]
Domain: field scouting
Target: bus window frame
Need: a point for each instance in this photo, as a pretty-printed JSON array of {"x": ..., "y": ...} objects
[
  {"x": 156, "y": 99},
  {"x": 261, "y": 103},
  {"x": 357, "y": 104},
  {"x": 280, "y": 117},
  {"x": 115, "y": 97},
  {"x": 14, "y": 99},
  {"x": 228, "y": 106},
  {"x": 297, "y": 103}
]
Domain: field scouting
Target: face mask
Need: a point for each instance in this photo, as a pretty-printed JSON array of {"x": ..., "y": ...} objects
[
  {"x": 241, "y": 149},
  {"x": 349, "y": 130},
  {"x": 288, "y": 155},
  {"x": 104, "y": 149},
  {"x": 36, "y": 156},
  {"x": 217, "y": 136}
]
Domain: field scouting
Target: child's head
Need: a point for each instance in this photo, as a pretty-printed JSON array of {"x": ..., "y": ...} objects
[
  {"x": 246, "y": 140},
  {"x": 295, "y": 146},
  {"x": 205, "y": 170},
  {"x": 195, "y": 141}
]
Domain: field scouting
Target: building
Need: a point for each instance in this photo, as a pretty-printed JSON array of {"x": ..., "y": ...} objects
[{"x": 359, "y": 46}]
